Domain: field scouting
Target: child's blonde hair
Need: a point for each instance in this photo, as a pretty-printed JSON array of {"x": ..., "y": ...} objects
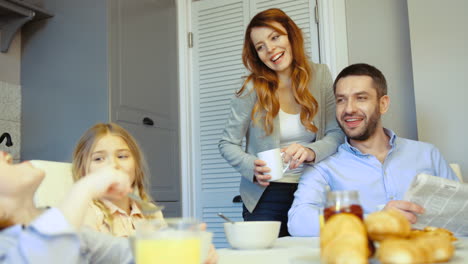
[{"x": 82, "y": 159}]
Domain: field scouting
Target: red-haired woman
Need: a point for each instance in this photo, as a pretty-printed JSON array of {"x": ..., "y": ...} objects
[{"x": 286, "y": 102}]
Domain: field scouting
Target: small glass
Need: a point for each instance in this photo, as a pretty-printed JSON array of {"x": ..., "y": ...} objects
[
  {"x": 173, "y": 240},
  {"x": 321, "y": 218},
  {"x": 342, "y": 202}
]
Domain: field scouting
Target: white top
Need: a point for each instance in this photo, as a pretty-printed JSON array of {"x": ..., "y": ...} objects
[{"x": 292, "y": 131}]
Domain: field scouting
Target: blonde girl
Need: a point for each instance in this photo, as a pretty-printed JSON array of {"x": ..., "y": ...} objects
[{"x": 107, "y": 144}]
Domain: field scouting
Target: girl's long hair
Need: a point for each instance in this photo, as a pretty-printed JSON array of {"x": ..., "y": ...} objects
[
  {"x": 265, "y": 80},
  {"x": 82, "y": 159}
]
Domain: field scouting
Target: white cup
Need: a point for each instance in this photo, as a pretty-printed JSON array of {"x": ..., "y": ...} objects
[
  {"x": 206, "y": 240},
  {"x": 274, "y": 161}
]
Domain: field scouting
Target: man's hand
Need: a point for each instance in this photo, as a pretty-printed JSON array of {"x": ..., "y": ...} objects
[{"x": 408, "y": 209}]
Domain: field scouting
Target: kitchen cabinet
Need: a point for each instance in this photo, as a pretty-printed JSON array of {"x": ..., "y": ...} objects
[
  {"x": 13, "y": 15},
  {"x": 101, "y": 61}
]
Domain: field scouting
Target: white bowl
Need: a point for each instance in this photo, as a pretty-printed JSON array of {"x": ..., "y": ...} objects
[{"x": 252, "y": 234}]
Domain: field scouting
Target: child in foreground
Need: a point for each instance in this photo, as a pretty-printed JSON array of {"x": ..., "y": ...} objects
[{"x": 34, "y": 235}]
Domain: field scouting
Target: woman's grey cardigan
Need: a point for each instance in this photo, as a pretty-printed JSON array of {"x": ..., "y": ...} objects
[{"x": 329, "y": 135}]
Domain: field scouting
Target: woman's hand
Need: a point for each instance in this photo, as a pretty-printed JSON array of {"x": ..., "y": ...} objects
[
  {"x": 259, "y": 171},
  {"x": 298, "y": 154}
]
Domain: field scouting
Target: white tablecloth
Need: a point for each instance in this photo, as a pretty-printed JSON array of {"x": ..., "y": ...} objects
[{"x": 304, "y": 250}]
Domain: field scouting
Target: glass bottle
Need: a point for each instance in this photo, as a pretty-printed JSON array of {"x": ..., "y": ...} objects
[{"x": 343, "y": 202}]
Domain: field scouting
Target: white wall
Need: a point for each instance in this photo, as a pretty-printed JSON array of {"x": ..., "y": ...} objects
[
  {"x": 10, "y": 97},
  {"x": 63, "y": 77},
  {"x": 378, "y": 34},
  {"x": 10, "y": 62},
  {"x": 439, "y": 44}
]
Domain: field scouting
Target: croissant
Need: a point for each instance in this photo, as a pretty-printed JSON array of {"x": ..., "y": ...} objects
[
  {"x": 438, "y": 248},
  {"x": 387, "y": 224},
  {"x": 422, "y": 249},
  {"x": 400, "y": 250},
  {"x": 343, "y": 239},
  {"x": 433, "y": 231}
]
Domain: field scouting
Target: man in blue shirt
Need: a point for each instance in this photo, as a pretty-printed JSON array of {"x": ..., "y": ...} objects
[{"x": 373, "y": 160}]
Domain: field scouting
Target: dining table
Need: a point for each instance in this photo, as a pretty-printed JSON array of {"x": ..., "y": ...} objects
[{"x": 306, "y": 250}]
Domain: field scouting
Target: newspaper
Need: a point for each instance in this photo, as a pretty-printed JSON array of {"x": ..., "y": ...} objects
[{"x": 445, "y": 202}]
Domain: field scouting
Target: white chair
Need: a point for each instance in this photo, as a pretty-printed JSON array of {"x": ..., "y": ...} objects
[
  {"x": 456, "y": 168},
  {"x": 57, "y": 182}
]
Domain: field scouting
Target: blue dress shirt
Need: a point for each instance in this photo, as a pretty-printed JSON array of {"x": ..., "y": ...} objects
[
  {"x": 377, "y": 183},
  {"x": 51, "y": 239}
]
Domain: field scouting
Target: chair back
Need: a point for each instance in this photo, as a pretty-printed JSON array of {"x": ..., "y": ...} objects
[{"x": 56, "y": 184}]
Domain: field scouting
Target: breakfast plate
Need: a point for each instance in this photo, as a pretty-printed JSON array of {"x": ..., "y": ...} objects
[
  {"x": 305, "y": 260},
  {"x": 458, "y": 244}
]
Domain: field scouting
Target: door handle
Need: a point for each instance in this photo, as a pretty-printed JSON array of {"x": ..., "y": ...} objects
[
  {"x": 148, "y": 121},
  {"x": 237, "y": 199}
]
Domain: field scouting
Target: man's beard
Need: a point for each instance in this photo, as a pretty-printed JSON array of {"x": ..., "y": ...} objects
[{"x": 369, "y": 130}]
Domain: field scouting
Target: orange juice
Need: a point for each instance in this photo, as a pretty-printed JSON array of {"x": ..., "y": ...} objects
[{"x": 168, "y": 251}]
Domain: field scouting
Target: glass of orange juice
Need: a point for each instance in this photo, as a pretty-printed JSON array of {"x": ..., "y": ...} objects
[{"x": 172, "y": 240}]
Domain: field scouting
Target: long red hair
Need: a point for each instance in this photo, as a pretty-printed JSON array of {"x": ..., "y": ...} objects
[{"x": 265, "y": 80}]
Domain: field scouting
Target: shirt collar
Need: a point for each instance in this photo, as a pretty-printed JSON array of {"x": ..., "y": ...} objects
[
  {"x": 135, "y": 211},
  {"x": 357, "y": 152},
  {"x": 13, "y": 230},
  {"x": 392, "y": 136}
]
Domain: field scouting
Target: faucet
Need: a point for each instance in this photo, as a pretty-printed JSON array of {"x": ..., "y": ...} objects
[{"x": 8, "y": 139}]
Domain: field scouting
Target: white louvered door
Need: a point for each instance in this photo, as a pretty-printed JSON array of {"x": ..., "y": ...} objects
[
  {"x": 218, "y": 28},
  {"x": 218, "y": 33}
]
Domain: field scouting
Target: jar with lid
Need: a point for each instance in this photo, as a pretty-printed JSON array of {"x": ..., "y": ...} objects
[{"x": 343, "y": 202}]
